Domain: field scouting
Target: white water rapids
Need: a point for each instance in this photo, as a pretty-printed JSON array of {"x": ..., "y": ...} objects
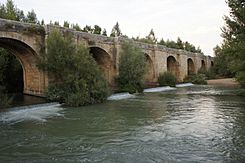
[{"x": 39, "y": 113}]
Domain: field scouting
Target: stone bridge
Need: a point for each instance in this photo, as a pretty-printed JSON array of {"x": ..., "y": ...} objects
[{"x": 27, "y": 43}]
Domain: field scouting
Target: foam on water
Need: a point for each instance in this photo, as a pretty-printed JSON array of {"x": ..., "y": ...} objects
[
  {"x": 120, "y": 96},
  {"x": 159, "y": 89},
  {"x": 39, "y": 113},
  {"x": 184, "y": 85}
]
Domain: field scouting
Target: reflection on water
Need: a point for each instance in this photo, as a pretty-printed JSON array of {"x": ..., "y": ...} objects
[
  {"x": 193, "y": 124},
  {"x": 21, "y": 100}
]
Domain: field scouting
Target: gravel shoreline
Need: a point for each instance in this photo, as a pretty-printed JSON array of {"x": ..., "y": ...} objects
[{"x": 223, "y": 82}]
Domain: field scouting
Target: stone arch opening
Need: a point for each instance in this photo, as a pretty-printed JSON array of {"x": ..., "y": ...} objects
[
  {"x": 103, "y": 59},
  {"x": 32, "y": 77},
  {"x": 191, "y": 67},
  {"x": 203, "y": 67},
  {"x": 212, "y": 63},
  {"x": 173, "y": 66},
  {"x": 149, "y": 75},
  {"x": 11, "y": 71}
]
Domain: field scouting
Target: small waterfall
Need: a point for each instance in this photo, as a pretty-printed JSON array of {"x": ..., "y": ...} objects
[
  {"x": 39, "y": 113},
  {"x": 184, "y": 85},
  {"x": 159, "y": 89},
  {"x": 120, "y": 96}
]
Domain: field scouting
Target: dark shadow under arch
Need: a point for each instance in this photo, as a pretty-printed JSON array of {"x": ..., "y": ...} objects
[
  {"x": 173, "y": 66},
  {"x": 191, "y": 67},
  {"x": 33, "y": 83},
  {"x": 203, "y": 65},
  {"x": 104, "y": 61},
  {"x": 149, "y": 76}
]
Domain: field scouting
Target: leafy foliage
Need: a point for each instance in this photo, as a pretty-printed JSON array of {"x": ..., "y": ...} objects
[
  {"x": 11, "y": 12},
  {"x": 196, "y": 79},
  {"x": 66, "y": 24},
  {"x": 221, "y": 66},
  {"x": 97, "y": 30},
  {"x": 149, "y": 39},
  {"x": 104, "y": 33},
  {"x": 179, "y": 44},
  {"x": 132, "y": 67},
  {"x": 233, "y": 47},
  {"x": 5, "y": 99},
  {"x": 116, "y": 31},
  {"x": 167, "y": 79},
  {"x": 77, "y": 78}
]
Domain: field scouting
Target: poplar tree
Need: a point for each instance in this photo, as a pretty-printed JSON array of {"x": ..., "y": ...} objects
[{"x": 234, "y": 38}]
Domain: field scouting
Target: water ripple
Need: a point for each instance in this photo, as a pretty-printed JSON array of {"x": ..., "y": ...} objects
[{"x": 38, "y": 113}]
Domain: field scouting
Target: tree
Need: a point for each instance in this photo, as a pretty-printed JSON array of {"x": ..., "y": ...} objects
[
  {"x": 221, "y": 66},
  {"x": 234, "y": 39},
  {"x": 179, "y": 44},
  {"x": 104, "y": 33},
  {"x": 88, "y": 29},
  {"x": 132, "y": 68},
  {"x": 116, "y": 31},
  {"x": 151, "y": 37},
  {"x": 189, "y": 47},
  {"x": 97, "y": 30},
  {"x": 56, "y": 23},
  {"x": 20, "y": 16},
  {"x": 162, "y": 42},
  {"x": 31, "y": 17},
  {"x": 66, "y": 24},
  {"x": 171, "y": 44},
  {"x": 76, "y": 27},
  {"x": 11, "y": 11},
  {"x": 42, "y": 22},
  {"x": 77, "y": 78}
]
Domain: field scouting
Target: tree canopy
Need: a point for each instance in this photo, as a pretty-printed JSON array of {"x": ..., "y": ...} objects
[
  {"x": 132, "y": 68},
  {"x": 11, "y": 12},
  {"x": 232, "y": 50},
  {"x": 77, "y": 77},
  {"x": 116, "y": 31}
]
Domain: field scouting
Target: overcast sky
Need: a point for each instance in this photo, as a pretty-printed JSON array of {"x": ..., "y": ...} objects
[{"x": 196, "y": 21}]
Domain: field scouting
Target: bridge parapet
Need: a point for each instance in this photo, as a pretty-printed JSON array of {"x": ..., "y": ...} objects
[
  {"x": 79, "y": 34},
  {"x": 162, "y": 48},
  {"x": 21, "y": 27}
]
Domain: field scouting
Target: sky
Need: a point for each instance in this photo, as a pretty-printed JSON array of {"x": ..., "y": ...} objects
[{"x": 196, "y": 21}]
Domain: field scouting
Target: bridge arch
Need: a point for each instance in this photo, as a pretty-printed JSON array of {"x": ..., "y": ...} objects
[
  {"x": 173, "y": 66},
  {"x": 104, "y": 60},
  {"x": 33, "y": 78},
  {"x": 190, "y": 66},
  {"x": 150, "y": 72},
  {"x": 203, "y": 65}
]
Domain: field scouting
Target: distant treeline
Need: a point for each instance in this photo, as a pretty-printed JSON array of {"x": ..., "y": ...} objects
[{"x": 11, "y": 12}]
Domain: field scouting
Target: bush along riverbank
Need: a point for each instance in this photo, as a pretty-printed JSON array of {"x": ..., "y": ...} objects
[{"x": 77, "y": 77}]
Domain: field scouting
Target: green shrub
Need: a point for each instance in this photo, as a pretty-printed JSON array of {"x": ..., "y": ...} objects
[
  {"x": 210, "y": 74},
  {"x": 132, "y": 68},
  {"x": 5, "y": 100},
  {"x": 240, "y": 77},
  {"x": 77, "y": 77},
  {"x": 196, "y": 79},
  {"x": 167, "y": 79}
]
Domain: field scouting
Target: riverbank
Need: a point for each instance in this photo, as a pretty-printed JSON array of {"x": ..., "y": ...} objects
[{"x": 223, "y": 82}]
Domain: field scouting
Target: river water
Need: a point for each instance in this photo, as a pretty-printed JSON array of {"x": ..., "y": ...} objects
[{"x": 189, "y": 124}]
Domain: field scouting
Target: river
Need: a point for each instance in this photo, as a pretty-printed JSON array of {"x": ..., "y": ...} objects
[{"x": 189, "y": 124}]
